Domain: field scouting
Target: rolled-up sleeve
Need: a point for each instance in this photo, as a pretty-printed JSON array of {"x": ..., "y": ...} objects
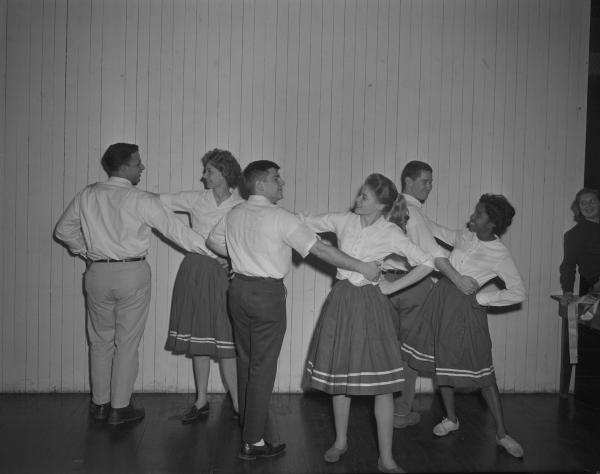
[
  {"x": 68, "y": 228},
  {"x": 514, "y": 292},
  {"x": 296, "y": 234}
]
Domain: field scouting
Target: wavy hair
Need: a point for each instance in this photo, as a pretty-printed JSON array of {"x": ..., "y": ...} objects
[
  {"x": 227, "y": 165},
  {"x": 575, "y": 204}
]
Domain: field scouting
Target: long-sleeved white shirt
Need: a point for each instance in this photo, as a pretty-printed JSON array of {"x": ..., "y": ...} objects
[
  {"x": 113, "y": 219},
  {"x": 418, "y": 228},
  {"x": 372, "y": 243},
  {"x": 203, "y": 209},
  {"x": 260, "y": 236},
  {"x": 484, "y": 261}
]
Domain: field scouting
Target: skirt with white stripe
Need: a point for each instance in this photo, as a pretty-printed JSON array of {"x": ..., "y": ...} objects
[
  {"x": 451, "y": 339},
  {"x": 354, "y": 349},
  {"x": 199, "y": 323}
]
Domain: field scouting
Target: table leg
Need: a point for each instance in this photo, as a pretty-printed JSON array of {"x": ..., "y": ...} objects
[{"x": 567, "y": 369}]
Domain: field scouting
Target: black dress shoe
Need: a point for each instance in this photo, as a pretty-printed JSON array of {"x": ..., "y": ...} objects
[
  {"x": 128, "y": 414},
  {"x": 194, "y": 414},
  {"x": 249, "y": 452},
  {"x": 99, "y": 412}
]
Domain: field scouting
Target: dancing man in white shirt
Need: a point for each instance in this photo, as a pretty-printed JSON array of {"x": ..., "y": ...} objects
[
  {"x": 109, "y": 225},
  {"x": 417, "y": 179},
  {"x": 259, "y": 237}
]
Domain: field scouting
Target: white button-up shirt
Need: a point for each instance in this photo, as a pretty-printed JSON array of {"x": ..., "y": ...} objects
[
  {"x": 484, "y": 261},
  {"x": 418, "y": 228},
  {"x": 203, "y": 209},
  {"x": 114, "y": 220},
  {"x": 260, "y": 237},
  {"x": 372, "y": 243}
]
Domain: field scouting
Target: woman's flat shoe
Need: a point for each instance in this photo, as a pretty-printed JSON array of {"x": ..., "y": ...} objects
[
  {"x": 334, "y": 454},
  {"x": 512, "y": 447},
  {"x": 195, "y": 413},
  {"x": 393, "y": 470}
]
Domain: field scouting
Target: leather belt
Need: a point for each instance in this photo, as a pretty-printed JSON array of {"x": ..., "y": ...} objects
[
  {"x": 110, "y": 260},
  {"x": 394, "y": 271},
  {"x": 259, "y": 279}
]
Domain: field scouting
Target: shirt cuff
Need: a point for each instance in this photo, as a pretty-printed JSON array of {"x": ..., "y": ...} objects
[
  {"x": 308, "y": 246},
  {"x": 483, "y": 299}
]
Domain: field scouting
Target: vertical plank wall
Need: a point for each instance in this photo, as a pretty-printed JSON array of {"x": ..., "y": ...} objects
[{"x": 492, "y": 93}]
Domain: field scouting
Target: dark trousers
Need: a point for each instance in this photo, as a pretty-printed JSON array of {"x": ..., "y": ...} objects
[
  {"x": 407, "y": 304},
  {"x": 257, "y": 307}
]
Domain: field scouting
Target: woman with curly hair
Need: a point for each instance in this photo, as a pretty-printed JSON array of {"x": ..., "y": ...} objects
[
  {"x": 199, "y": 325},
  {"x": 452, "y": 338}
]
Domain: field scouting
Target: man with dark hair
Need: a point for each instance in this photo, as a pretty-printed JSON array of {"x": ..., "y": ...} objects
[
  {"x": 416, "y": 185},
  {"x": 416, "y": 177},
  {"x": 109, "y": 225},
  {"x": 259, "y": 237}
]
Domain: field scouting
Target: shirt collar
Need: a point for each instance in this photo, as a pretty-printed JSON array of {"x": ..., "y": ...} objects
[
  {"x": 259, "y": 200},
  {"x": 125, "y": 183},
  {"x": 380, "y": 222},
  {"x": 474, "y": 237},
  {"x": 234, "y": 196},
  {"x": 412, "y": 201}
]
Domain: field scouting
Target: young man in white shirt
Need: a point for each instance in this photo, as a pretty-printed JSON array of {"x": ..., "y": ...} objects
[
  {"x": 259, "y": 237},
  {"x": 109, "y": 225},
  {"x": 417, "y": 180}
]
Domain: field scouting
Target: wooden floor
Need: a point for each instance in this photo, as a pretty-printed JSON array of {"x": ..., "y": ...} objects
[{"x": 51, "y": 433}]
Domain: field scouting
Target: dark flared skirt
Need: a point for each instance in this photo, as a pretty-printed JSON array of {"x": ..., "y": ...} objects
[
  {"x": 451, "y": 339},
  {"x": 199, "y": 323},
  {"x": 354, "y": 349}
]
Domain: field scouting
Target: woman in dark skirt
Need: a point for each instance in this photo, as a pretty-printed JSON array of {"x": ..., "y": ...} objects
[
  {"x": 199, "y": 325},
  {"x": 452, "y": 338},
  {"x": 354, "y": 350}
]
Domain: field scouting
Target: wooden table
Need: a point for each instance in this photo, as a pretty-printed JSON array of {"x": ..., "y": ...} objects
[{"x": 571, "y": 319}]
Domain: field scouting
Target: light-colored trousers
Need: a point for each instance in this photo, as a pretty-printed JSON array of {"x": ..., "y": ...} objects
[{"x": 118, "y": 300}]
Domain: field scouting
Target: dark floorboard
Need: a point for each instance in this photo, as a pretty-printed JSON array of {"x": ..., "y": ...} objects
[{"x": 51, "y": 433}]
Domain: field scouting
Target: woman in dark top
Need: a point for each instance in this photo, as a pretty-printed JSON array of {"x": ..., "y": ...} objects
[{"x": 582, "y": 246}]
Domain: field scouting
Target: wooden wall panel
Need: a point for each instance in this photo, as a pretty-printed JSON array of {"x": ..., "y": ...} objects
[{"x": 492, "y": 93}]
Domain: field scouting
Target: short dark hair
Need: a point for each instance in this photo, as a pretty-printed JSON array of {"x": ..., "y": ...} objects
[
  {"x": 499, "y": 211},
  {"x": 413, "y": 170},
  {"x": 227, "y": 165},
  {"x": 117, "y": 155},
  {"x": 253, "y": 172},
  {"x": 575, "y": 205},
  {"x": 384, "y": 189}
]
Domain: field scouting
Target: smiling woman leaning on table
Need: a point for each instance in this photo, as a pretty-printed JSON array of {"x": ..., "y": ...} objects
[
  {"x": 582, "y": 253},
  {"x": 582, "y": 246}
]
